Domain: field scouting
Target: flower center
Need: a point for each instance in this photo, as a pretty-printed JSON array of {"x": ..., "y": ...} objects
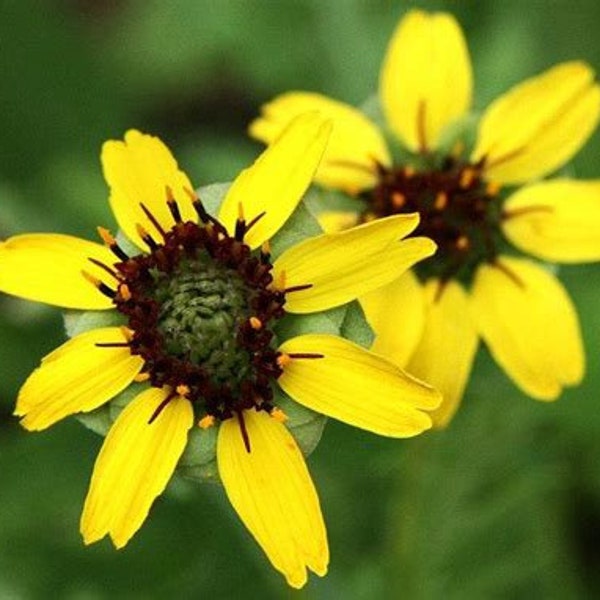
[
  {"x": 458, "y": 210},
  {"x": 200, "y": 308},
  {"x": 202, "y": 304}
]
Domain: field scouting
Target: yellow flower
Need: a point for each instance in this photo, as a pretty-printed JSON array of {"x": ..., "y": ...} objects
[
  {"x": 430, "y": 319},
  {"x": 199, "y": 303}
]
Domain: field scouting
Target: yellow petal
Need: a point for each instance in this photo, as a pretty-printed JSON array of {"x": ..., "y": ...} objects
[
  {"x": 47, "y": 268},
  {"x": 356, "y": 386},
  {"x": 354, "y": 148},
  {"x": 138, "y": 171},
  {"x": 134, "y": 466},
  {"x": 556, "y": 220},
  {"x": 272, "y": 492},
  {"x": 333, "y": 221},
  {"x": 343, "y": 266},
  {"x": 276, "y": 182},
  {"x": 445, "y": 354},
  {"x": 530, "y": 325},
  {"x": 77, "y": 377},
  {"x": 537, "y": 126},
  {"x": 396, "y": 313},
  {"x": 426, "y": 80}
]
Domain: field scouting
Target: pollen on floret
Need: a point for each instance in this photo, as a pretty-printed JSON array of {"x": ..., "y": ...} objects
[
  {"x": 255, "y": 323},
  {"x": 492, "y": 188},
  {"x": 279, "y": 415},
  {"x": 141, "y": 377},
  {"x": 124, "y": 292},
  {"x": 398, "y": 200},
  {"x": 106, "y": 236},
  {"x": 206, "y": 422},
  {"x": 441, "y": 201},
  {"x": 283, "y": 360},
  {"x": 467, "y": 177},
  {"x": 462, "y": 243},
  {"x": 182, "y": 390}
]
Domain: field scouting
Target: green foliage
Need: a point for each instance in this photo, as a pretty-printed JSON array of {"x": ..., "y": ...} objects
[{"x": 483, "y": 503}]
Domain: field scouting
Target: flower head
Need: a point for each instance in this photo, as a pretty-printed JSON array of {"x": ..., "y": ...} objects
[
  {"x": 199, "y": 305},
  {"x": 430, "y": 320}
]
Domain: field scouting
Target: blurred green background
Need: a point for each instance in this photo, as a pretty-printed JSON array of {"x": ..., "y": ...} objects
[{"x": 504, "y": 504}]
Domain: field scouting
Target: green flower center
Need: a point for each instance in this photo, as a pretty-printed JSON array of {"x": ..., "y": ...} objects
[
  {"x": 202, "y": 306},
  {"x": 458, "y": 210}
]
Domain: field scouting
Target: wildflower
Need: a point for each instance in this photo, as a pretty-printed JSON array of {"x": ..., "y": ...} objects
[
  {"x": 430, "y": 319},
  {"x": 200, "y": 305}
]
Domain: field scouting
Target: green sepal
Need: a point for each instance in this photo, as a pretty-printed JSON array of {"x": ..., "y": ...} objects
[
  {"x": 199, "y": 460},
  {"x": 355, "y": 327},
  {"x": 212, "y": 196},
  {"x": 77, "y": 321},
  {"x": 318, "y": 200}
]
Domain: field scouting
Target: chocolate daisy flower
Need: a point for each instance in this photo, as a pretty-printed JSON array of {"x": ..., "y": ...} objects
[
  {"x": 477, "y": 286},
  {"x": 200, "y": 301}
]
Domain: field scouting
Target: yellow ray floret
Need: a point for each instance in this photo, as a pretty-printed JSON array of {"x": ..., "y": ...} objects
[
  {"x": 355, "y": 147},
  {"x": 538, "y": 125},
  {"x": 77, "y": 377},
  {"x": 342, "y": 266},
  {"x": 142, "y": 170},
  {"x": 274, "y": 185},
  {"x": 272, "y": 492},
  {"x": 396, "y": 313},
  {"x": 556, "y": 220},
  {"x": 530, "y": 326},
  {"x": 426, "y": 80},
  {"x": 47, "y": 268},
  {"x": 135, "y": 463},
  {"x": 446, "y": 351},
  {"x": 356, "y": 387},
  {"x": 334, "y": 221}
]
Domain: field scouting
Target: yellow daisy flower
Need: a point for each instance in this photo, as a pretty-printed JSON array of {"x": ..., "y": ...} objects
[
  {"x": 200, "y": 302},
  {"x": 430, "y": 319}
]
